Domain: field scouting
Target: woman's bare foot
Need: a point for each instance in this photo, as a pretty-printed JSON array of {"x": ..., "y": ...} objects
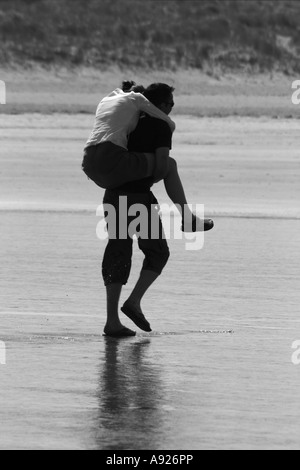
[{"x": 195, "y": 224}]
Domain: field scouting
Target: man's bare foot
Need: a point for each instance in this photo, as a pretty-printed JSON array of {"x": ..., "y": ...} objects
[
  {"x": 118, "y": 332},
  {"x": 134, "y": 312},
  {"x": 135, "y": 305}
]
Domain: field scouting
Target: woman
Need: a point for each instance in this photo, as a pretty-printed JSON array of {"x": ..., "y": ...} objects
[{"x": 106, "y": 159}]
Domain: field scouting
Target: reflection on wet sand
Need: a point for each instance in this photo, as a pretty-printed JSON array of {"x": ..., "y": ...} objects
[{"x": 130, "y": 392}]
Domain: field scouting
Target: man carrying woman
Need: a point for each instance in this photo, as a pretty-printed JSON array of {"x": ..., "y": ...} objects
[{"x": 131, "y": 173}]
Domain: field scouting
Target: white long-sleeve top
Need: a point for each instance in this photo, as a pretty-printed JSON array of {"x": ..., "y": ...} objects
[{"x": 117, "y": 116}]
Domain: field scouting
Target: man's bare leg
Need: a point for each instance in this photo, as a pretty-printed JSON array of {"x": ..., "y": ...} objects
[
  {"x": 132, "y": 307},
  {"x": 113, "y": 323},
  {"x": 145, "y": 280}
]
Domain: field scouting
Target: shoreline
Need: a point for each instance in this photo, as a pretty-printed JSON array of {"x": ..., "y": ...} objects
[{"x": 79, "y": 91}]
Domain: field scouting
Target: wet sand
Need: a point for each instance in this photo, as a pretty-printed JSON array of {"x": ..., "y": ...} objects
[{"x": 216, "y": 372}]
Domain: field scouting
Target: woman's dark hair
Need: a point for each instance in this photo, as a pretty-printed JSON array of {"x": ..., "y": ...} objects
[
  {"x": 158, "y": 93},
  {"x": 130, "y": 85},
  {"x": 127, "y": 85}
]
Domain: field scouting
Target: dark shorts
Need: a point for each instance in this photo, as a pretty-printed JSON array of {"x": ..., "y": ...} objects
[
  {"x": 117, "y": 259},
  {"x": 110, "y": 166}
]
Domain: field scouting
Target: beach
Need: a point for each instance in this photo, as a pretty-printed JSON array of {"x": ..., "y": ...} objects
[{"x": 217, "y": 370}]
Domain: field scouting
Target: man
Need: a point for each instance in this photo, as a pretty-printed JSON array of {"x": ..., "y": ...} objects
[{"x": 150, "y": 136}]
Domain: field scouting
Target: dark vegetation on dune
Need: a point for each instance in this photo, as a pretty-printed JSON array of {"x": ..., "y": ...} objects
[{"x": 227, "y": 35}]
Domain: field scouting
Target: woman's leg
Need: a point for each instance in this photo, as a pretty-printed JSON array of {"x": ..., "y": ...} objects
[
  {"x": 174, "y": 187},
  {"x": 176, "y": 193},
  {"x": 111, "y": 166}
]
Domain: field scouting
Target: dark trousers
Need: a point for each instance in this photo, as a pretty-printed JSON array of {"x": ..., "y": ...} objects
[
  {"x": 117, "y": 259},
  {"x": 110, "y": 166}
]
